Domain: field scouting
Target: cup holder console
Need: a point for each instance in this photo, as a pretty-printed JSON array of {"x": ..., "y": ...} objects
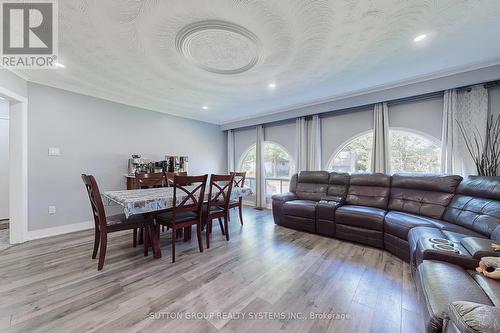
[
  {"x": 441, "y": 241},
  {"x": 445, "y": 245}
]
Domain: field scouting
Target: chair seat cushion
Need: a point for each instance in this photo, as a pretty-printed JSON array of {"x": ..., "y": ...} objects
[
  {"x": 234, "y": 203},
  {"x": 399, "y": 223},
  {"x": 302, "y": 208},
  {"x": 167, "y": 217},
  {"x": 360, "y": 216},
  {"x": 121, "y": 219},
  {"x": 213, "y": 210}
]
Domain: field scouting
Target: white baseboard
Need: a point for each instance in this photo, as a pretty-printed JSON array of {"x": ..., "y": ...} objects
[{"x": 64, "y": 229}]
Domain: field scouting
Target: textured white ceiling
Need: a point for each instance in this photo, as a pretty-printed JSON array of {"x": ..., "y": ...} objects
[{"x": 176, "y": 56}]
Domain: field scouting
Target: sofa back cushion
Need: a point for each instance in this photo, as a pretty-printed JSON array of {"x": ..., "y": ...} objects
[
  {"x": 476, "y": 206},
  {"x": 338, "y": 184},
  {"x": 422, "y": 194},
  {"x": 312, "y": 185},
  {"x": 369, "y": 189}
]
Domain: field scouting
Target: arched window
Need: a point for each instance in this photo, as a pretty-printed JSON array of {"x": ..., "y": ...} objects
[
  {"x": 354, "y": 155},
  {"x": 278, "y": 164},
  {"x": 413, "y": 152}
]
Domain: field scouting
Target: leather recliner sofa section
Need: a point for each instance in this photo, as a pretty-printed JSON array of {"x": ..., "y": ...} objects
[
  {"x": 416, "y": 200},
  {"x": 361, "y": 218},
  {"x": 471, "y": 221},
  {"x": 405, "y": 214},
  {"x": 300, "y": 213}
]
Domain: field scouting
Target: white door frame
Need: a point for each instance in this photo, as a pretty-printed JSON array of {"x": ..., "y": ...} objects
[{"x": 18, "y": 166}]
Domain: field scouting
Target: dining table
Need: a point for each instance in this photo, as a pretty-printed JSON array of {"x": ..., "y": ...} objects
[{"x": 154, "y": 200}]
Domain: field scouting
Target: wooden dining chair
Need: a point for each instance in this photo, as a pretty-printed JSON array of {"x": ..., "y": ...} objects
[
  {"x": 145, "y": 181},
  {"x": 107, "y": 224},
  {"x": 170, "y": 177},
  {"x": 218, "y": 204},
  {"x": 239, "y": 181},
  {"x": 187, "y": 205}
]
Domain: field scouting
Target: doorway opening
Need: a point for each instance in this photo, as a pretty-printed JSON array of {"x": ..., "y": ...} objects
[
  {"x": 16, "y": 174},
  {"x": 4, "y": 169}
]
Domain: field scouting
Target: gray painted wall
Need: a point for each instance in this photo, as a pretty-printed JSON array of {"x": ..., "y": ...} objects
[
  {"x": 97, "y": 136},
  {"x": 4, "y": 159},
  {"x": 423, "y": 116},
  {"x": 13, "y": 82}
]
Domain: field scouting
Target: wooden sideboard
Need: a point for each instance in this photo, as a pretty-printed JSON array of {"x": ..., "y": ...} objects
[{"x": 132, "y": 184}]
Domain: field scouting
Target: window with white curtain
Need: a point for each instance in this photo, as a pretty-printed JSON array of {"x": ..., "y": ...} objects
[
  {"x": 279, "y": 167},
  {"x": 354, "y": 155},
  {"x": 414, "y": 152},
  {"x": 410, "y": 151}
]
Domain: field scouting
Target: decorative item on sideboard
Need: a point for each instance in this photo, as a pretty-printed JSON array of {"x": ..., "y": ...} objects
[
  {"x": 170, "y": 164},
  {"x": 484, "y": 151}
]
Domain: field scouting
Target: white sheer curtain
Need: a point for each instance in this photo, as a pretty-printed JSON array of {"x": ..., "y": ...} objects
[
  {"x": 230, "y": 151},
  {"x": 380, "y": 149},
  {"x": 260, "y": 172},
  {"x": 314, "y": 149},
  {"x": 469, "y": 107},
  {"x": 301, "y": 145}
]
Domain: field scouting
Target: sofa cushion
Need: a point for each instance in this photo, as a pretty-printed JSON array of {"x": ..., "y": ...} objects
[
  {"x": 422, "y": 194},
  {"x": 360, "y": 216},
  {"x": 369, "y": 189},
  {"x": 457, "y": 235},
  {"x": 476, "y": 205},
  {"x": 490, "y": 287},
  {"x": 399, "y": 223},
  {"x": 312, "y": 185},
  {"x": 440, "y": 284},
  {"x": 302, "y": 208},
  {"x": 473, "y": 317}
]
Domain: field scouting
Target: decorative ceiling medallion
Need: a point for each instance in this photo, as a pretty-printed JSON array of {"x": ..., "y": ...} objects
[{"x": 218, "y": 46}]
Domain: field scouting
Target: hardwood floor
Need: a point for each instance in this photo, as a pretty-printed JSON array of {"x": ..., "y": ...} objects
[
  {"x": 52, "y": 285},
  {"x": 4, "y": 239}
]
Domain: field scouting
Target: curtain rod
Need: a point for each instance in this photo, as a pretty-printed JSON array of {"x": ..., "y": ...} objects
[{"x": 487, "y": 85}]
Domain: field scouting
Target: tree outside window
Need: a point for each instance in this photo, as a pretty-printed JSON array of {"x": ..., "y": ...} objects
[
  {"x": 354, "y": 156},
  {"x": 278, "y": 165},
  {"x": 411, "y": 152}
]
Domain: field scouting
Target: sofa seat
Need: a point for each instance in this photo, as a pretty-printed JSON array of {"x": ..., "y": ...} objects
[
  {"x": 361, "y": 217},
  {"x": 360, "y": 224},
  {"x": 399, "y": 223},
  {"x": 439, "y": 284},
  {"x": 301, "y": 208}
]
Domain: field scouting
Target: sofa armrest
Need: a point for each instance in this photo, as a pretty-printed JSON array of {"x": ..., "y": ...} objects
[
  {"x": 479, "y": 247},
  {"x": 285, "y": 196},
  {"x": 471, "y": 317},
  {"x": 278, "y": 201}
]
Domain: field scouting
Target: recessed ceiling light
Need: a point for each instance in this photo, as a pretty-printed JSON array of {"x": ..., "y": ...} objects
[
  {"x": 204, "y": 107},
  {"x": 420, "y": 38},
  {"x": 271, "y": 85},
  {"x": 58, "y": 64}
]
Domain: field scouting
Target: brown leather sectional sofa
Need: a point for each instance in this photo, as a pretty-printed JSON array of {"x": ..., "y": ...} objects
[{"x": 406, "y": 214}]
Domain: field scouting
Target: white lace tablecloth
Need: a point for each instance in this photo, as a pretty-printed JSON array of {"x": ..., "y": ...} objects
[{"x": 150, "y": 200}]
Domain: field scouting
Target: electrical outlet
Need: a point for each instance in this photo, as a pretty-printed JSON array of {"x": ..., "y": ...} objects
[
  {"x": 52, "y": 210},
  {"x": 54, "y": 151}
]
